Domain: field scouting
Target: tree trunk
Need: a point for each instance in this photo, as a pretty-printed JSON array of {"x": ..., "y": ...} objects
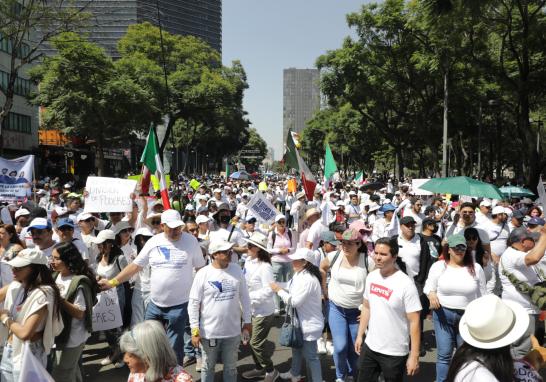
[
  {"x": 100, "y": 155},
  {"x": 399, "y": 162}
]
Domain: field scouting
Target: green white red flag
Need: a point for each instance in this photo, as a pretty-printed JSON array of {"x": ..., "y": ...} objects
[
  {"x": 151, "y": 161},
  {"x": 293, "y": 159},
  {"x": 330, "y": 168}
]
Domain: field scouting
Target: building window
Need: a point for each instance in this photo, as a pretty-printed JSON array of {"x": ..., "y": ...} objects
[
  {"x": 22, "y": 85},
  {"x": 18, "y": 122},
  {"x": 7, "y": 46}
]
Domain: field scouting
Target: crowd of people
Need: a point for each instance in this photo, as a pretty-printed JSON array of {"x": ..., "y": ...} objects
[{"x": 353, "y": 273}]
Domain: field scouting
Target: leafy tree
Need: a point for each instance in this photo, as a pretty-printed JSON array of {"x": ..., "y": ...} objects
[{"x": 85, "y": 94}]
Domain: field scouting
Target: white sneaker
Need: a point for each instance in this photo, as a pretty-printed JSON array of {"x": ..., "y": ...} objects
[
  {"x": 321, "y": 346},
  {"x": 289, "y": 376},
  {"x": 329, "y": 347},
  {"x": 106, "y": 361}
]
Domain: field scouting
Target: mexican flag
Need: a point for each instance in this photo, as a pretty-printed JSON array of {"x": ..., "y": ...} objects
[
  {"x": 330, "y": 168},
  {"x": 152, "y": 164},
  {"x": 293, "y": 159},
  {"x": 359, "y": 178}
]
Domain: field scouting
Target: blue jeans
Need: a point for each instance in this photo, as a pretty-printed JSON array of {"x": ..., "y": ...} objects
[
  {"x": 309, "y": 352},
  {"x": 11, "y": 372},
  {"x": 344, "y": 327},
  {"x": 446, "y": 328},
  {"x": 228, "y": 348},
  {"x": 282, "y": 273},
  {"x": 189, "y": 350},
  {"x": 175, "y": 318}
]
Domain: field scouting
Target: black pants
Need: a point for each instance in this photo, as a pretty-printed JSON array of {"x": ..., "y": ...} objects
[{"x": 371, "y": 364}]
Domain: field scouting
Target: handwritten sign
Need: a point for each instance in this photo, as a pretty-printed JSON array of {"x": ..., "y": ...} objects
[
  {"x": 262, "y": 209},
  {"x": 107, "y": 313},
  {"x": 109, "y": 194}
]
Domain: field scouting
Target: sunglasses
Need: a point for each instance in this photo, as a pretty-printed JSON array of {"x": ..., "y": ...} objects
[
  {"x": 459, "y": 248},
  {"x": 155, "y": 222},
  {"x": 65, "y": 228},
  {"x": 467, "y": 212}
]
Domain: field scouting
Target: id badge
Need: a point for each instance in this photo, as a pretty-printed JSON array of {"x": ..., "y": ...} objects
[{"x": 212, "y": 343}]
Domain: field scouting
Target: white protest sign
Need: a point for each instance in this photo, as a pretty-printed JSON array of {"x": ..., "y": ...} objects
[
  {"x": 262, "y": 209},
  {"x": 107, "y": 313},
  {"x": 416, "y": 183},
  {"x": 109, "y": 194},
  {"x": 541, "y": 193},
  {"x": 16, "y": 178}
]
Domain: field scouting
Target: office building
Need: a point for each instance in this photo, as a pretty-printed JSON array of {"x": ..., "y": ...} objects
[{"x": 301, "y": 98}]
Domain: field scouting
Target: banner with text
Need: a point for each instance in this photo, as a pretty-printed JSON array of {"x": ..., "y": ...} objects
[
  {"x": 107, "y": 313},
  {"x": 16, "y": 176},
  {"x": 109, "y": 194},
  {"x": 262, "y": 208}
]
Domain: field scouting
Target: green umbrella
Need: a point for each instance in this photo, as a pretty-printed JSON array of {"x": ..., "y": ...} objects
[
  {"x": 516, "y": 192},
  {"x": 462, "y": 185}
]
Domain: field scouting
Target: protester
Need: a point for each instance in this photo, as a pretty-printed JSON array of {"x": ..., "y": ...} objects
[
  {"x": 64, "y": 228},
  {"x": 42, "y": 235},
  {"x": 390, "y": 311},
  {"x": 304, "y": 296},
  {"x": 86, "y": 222},
  {"x": 10, "y": 244},
  {"x": 219, "y": 301},
  {"x": 149, "y": 356},
  {"x": 78, "y": 289},
  {"x": 31, "y": 312}
]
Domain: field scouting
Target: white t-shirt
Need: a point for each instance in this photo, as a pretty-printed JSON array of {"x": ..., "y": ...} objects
[
  {"x": 513, "y": 262},
  {"x": 110, "y": 271},
  {"x": 171, "y": 266},
  {"x": 390, "y": 299},
  {"x": 314, "y": 233},
  {"x": 92, "y": 249},
  {"x": 474, "y": 372},
  {"x": 81, "y": 247},
  {"x": 455, "y": 286},
  {"x": 346, "y": 285},
  {"x": 258, "y": 276},
  {"x": 217, "y": 298},
  {"x": 410, "y": 253},
  {"x": 78, "y": 333},
  {"x": 498, "y": 235}
]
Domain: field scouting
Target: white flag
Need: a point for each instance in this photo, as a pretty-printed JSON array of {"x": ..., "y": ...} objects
[
  {"x": 541, "y": 193},
  {"x": 32, "y": 369}
]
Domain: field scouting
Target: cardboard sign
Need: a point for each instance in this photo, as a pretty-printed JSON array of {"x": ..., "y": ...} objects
[
  {"x": 194, "y": 183},
  {"x": 107, "y": 313},
  {"x": 262, "y": 209},
  {"x": 109, "y": 194},
  {"x": 16, "y": 178}
]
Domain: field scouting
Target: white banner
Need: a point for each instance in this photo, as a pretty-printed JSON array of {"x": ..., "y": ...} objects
[
  {"x": 541, "y": 193},
  {"x": 262, "y": 208},
  {"x": 109, "y": 194},
  {"x": 107, "y": 313},
  {"x": 16, "y": 176},
  {"x": 416, "y": 183}
]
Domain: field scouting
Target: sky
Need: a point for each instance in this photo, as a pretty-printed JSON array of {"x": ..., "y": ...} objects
[{"x": 268, "y": 36}]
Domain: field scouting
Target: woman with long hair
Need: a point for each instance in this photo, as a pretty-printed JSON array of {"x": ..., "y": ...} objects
[
  {"x": 451, "y": 285},
  {"x": 259, "y": 274},
  {"x": 31, "y": 312},
  {"x": 78, "y": 288},
  {"x": 10, "y": 244},
  {"x": 535, "y": 212},
  {"x": 348, "y": 269},
  {"x": 110, "y": 262},
  {"x": 304, "y": 295},
  {"x": 488, "y": 327}
]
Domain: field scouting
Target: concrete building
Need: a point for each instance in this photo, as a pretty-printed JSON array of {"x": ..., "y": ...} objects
[
  {"x": 20, "y": 128},
  {"x": 301, "y": 98},
  {"x": 111, "y": 19}
]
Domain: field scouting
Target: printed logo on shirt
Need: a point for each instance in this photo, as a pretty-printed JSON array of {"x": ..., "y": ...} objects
[
  {"x": 225, "y": 289},
  {"x": 166, "y": 252},
  {"x": 381, "y": 291},
  {"x": 169, "y": 257}
]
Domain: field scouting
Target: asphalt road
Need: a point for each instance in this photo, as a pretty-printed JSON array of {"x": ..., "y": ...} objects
[{"x": 96, "y": 351}]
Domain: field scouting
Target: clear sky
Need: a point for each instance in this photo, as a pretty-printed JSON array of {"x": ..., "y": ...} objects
[{"x": 268, "y": 36}]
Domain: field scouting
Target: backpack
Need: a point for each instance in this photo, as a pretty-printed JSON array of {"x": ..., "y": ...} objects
[{"x": 365, "y": 260}]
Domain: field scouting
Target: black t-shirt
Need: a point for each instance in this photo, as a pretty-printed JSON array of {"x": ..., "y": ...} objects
[{"x": 434, "y": 244}]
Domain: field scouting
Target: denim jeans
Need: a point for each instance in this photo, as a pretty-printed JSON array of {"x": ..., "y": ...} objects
[
  {"x": 189, "y": 350},
  {"x": 11, "y": 372},
  {"x": 282, "y": 273},
  {"x": 309, "y": 352},
  {"x": 446, "y": 328},
  {"x": 344, "y": 327},
  {"x": 175, "y": 318},
  {"x": 228, "y": 348}
]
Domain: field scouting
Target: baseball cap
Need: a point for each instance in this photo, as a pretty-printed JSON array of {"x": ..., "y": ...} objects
[
  {"x": 65, "y": 222},
  {"x": 84, "y": 216},
  {"x": 498, "y": 210},
  {"x": 21, "y": 212},
  {"x": 329, "y": 237},
  {"x": 536, "y": 221},
  {"x": 202, "y": 219},
  {"x": 171, "y": 218},
  {"x": 144, "y": 231},
  {"x": 121, "y": 226},
  {"x": 519, "y": 234},
  {"x": 106, "y": 234},
  {"x": 219, "y": 245},
  {"x": 387, "y": 207},
  {"x": 456, "y": 240},
  {"x": 518, "y": 214},
  {"x": 303, "y": 254},
  {"x": 485, "y": 203},
  {"x": 351, "y": 235},
  {"x": 28, "y": 256},
  {"x": 39, "y": 223},
  {"x": 279, "y": 217},
  {"x": 407, "y": 220},
  {"x": 428, "y": 221},
  {"x": 250, "y": 219}
]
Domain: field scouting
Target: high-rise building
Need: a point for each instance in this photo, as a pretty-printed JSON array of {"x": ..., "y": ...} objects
[
  {"x": 111, "y": 18},
  {"x": 301, "y": 98}
]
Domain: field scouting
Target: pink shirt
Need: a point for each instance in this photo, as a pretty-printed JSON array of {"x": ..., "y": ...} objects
[{"x": 281, "y": 241}]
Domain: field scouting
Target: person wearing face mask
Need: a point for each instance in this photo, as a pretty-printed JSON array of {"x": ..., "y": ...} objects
[{"x": 228, "y": 232}]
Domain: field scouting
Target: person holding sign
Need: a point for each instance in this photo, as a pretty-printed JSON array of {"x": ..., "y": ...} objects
[
  {"x": 172, "y": 256},
  {"x": 78, "y": 289},
  {"x": 31, "y": 312}
]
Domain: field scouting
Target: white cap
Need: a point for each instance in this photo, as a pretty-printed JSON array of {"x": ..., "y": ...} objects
[
  {"x": 498, "y": 210},
  {"x": 217, "y": 190},
  {"x": 144, "y": 231},
  {"x": 61, "y": 210},
  {"x": 202, "y": 219},
  {"x": 106, "y": 234},
  {"x": 39, "y": 223},
  {"x": 508, "y": 211},
  {"x": 219, "y": 245},
  {"x": 67, "y": 185},
  {"x": 21, "y": 212},
  {"x": 121, "y": 226},
  {"x": 303, "y": 254},
  {"x": 279, "y": 217},
  {"x": 340, "y": 203},
  {"x": 189, "y": 207},
  {"x": 84, "y": 216},
  {"x": 41, "y": 192},
  {"x": 485, "y": 203},
  {"x": 258, "y": 239},
  {"x": 171, "y": 218},
  {"x": 28, "y": 256}
]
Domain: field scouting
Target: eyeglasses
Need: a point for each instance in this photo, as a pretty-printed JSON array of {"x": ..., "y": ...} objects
[{"x": 155, "y": 222}]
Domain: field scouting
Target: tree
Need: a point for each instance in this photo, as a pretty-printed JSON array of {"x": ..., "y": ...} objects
[
  {"x": 85, "y": 94},
  {"x": 25, "y": 26},
  {"x": 255, "y": 142}
]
